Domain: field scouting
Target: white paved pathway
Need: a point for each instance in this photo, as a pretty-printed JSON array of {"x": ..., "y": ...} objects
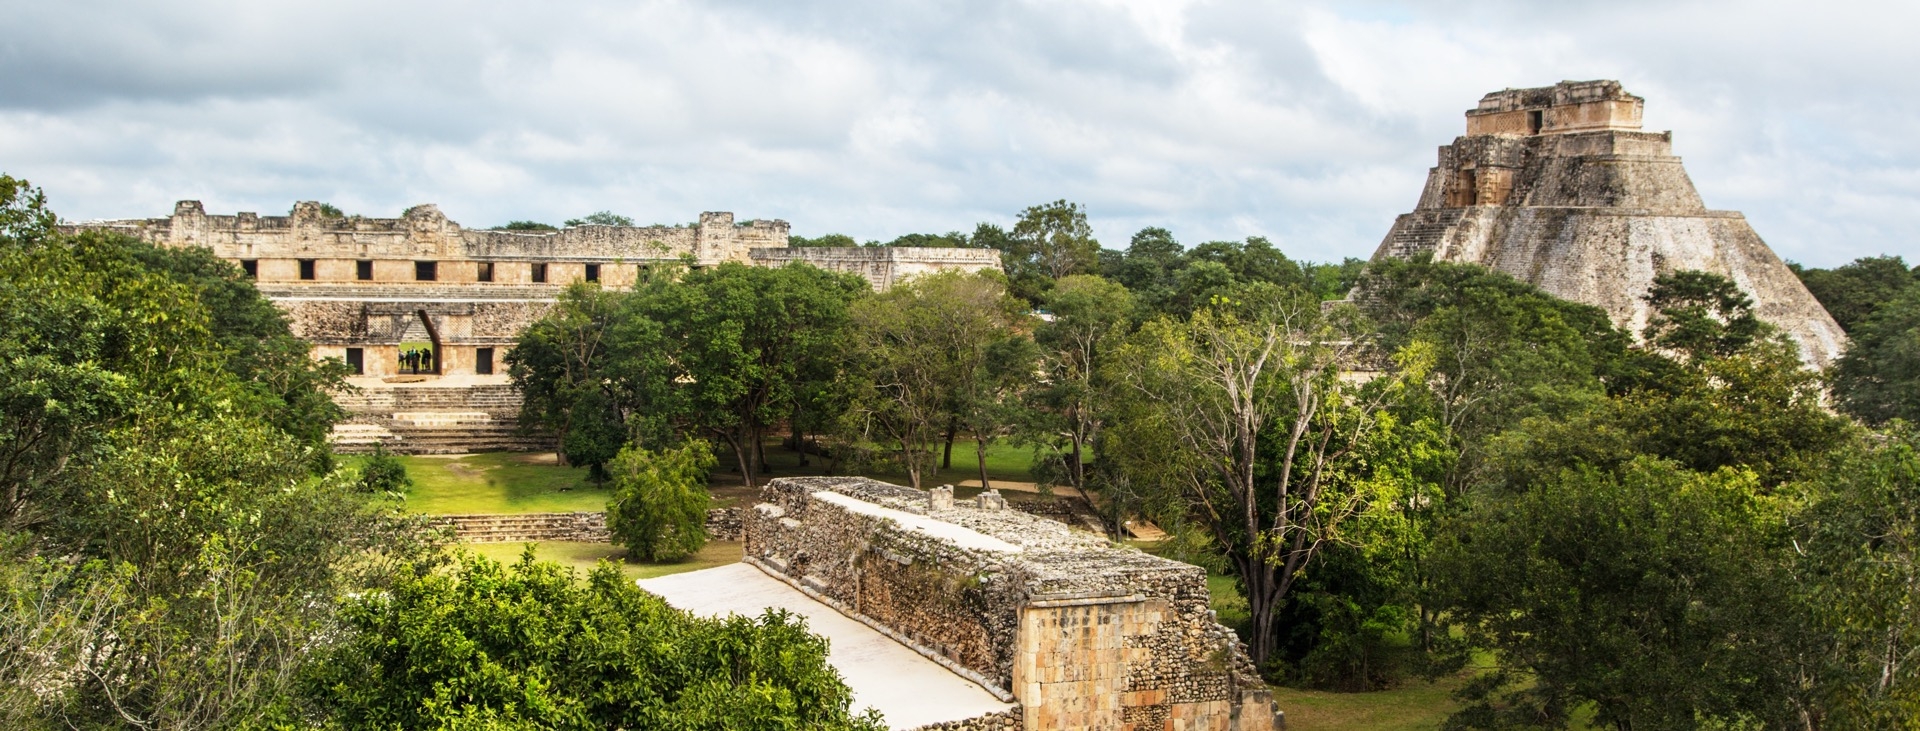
[{"x": 909, "y": 689}]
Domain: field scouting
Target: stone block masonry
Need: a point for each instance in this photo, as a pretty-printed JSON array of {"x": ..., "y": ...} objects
[
  {"x": 1081, "y": 634},
  {"x": 1559, "y": 187},
  {"x": 366, "y": 290},
  {"x": 723, "y": 524}
]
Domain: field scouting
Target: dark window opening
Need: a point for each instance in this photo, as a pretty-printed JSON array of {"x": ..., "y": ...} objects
[
  {"x": 426, "y": 271},
  {"x": 483, "y": 361},
  {"x": 251, "y": 267},
  {"x": 1533, "y": 121},
  {"x": 357, "y": 360},
  {"x": 593, "y": 272},
  {"x": 363, "y": 270},
  {"x": 306, "y": 269},
  {"x": 540, "y": 273},
  {"x": 485, "y": 272}
]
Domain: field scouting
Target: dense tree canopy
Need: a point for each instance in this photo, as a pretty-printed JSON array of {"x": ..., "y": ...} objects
[
  {"x": 528, "y": 646},
  {"x": 174, "y": 531}
]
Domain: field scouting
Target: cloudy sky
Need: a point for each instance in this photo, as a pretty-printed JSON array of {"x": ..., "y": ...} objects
[{"x": 1312, "y": 123}]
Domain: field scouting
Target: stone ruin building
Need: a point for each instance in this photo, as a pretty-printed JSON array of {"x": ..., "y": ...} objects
[
  {"x": 1559, "y": 187},
  {"x": 1061, "y": 629},
  {"x": 359, "y": 288}
]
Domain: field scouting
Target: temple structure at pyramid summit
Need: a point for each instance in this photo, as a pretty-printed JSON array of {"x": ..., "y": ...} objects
[{"x": 1559, "y": 187}]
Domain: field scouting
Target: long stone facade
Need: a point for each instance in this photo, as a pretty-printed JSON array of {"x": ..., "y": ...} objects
[
  {"x": 1559, "y": 187},
  {"x": 365, "y": 290},
  {"x": 1077, "y": 633}
]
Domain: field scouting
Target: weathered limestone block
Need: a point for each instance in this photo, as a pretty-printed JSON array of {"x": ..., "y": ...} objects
[
  {"x": 1082, "y": 634},
  {"x": 1558, "y": 187}
]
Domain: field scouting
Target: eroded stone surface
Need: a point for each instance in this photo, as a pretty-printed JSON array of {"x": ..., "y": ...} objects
[
  {"x": 1560, "y": 188},
  {"x": 1084, "y": 635}
]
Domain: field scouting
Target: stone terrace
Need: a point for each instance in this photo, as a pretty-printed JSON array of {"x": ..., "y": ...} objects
[{"x": 1078, "y": 633}]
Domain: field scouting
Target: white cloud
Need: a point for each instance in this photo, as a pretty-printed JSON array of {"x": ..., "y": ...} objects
[{"x": 1312, "y": 123}]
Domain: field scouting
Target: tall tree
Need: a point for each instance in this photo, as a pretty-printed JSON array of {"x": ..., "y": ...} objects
[
  {"x": 1090, "y": 316},
  {"x": 1048, "y": 242},
  {"x": 1241, "y": 413},
  {"x": 560, "y": 365},
  {"x": 735, "y": 342},
  {"x": 1856, "y": 290},
  {"x": 921, "y": 346},
  {"x": 1878, "y": 378}
]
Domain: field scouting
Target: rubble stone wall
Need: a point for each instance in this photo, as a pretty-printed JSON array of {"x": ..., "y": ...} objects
[
  {"x": 1080, "y": 633},
  {"x": 723, "y": 524},
  {"x": 882, "y": 266}
]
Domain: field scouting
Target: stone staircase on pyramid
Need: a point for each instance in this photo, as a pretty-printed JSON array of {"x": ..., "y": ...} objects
[{"x": 1422, "y": 230}]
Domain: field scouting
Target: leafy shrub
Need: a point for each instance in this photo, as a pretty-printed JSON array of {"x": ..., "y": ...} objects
[
  {"x": 659, "y": 505},
  {"x": 527, "y": 646},
  {"x": 384, "y": 472}
]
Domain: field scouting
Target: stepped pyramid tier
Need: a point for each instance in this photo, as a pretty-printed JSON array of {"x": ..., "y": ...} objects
[{"x": 1559, "y": 187}]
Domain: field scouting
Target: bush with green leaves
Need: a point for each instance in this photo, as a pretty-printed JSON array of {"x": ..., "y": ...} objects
[
  {"x": 529, "y": 646},
  {"x": 383, "y": 472},
  {"x": 659, "y": 504}
]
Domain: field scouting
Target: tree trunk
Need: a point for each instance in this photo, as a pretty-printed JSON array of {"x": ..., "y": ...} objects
[
  {"x": 913, "y": 466},
  {"x": 980, "y": 450},
  {"x": 1076, "y": 473},
  {"x": 760, "y": 451},
  {"x": 946, "y": 457},
  {"x": 1257, "y": 576},
  {"x": 742, "y": 456}
]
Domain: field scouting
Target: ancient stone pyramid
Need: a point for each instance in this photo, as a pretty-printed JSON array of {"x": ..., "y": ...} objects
[{"x": 1558, "y": 187}]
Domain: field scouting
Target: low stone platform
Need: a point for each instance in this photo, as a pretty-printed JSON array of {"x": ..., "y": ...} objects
[{"x": 912, "y": 691}]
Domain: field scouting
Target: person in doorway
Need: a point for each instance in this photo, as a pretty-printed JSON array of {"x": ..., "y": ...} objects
[{"x": 426, "y": 360}]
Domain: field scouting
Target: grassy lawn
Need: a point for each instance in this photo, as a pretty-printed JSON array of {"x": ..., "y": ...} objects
[
  {"x": 583, "y": 557},
  {"x": 513, "y": 482},
  {"x": 1413, "y": 705},
  {"x": 499, "y": 482}
]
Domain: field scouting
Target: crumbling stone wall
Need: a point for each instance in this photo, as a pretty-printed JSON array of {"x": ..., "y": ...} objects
[
  {"x": 1080, "y": 633},
  {"x": 883, "y": 266}
]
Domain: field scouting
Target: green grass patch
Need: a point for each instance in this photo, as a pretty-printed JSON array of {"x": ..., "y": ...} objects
[
  {"x": 499, "y": 482},
  {"x": 583, "y": 557},
  {"x": 1413, "y": 705}
]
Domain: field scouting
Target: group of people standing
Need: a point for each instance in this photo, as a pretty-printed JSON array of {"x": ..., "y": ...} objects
[{"x": 415, "y": 360}]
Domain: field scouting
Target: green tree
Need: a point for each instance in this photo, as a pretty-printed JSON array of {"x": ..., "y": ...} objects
[
  {"x": 382, "y": 472},
  {"x": 948, "y": 240},
  {"x": 525, "y": 226},
  {"x": 729, "y": 351},
  {"x": 920, "y": 347},
  {"x": 659, "y": 505},
  {"x": 528, "y": 646},
  {"x": 559, "y": 363},
  {"x": 1861, "y": 576},
  {"x": 1255, "y": 260},
  {"x": 823, "y": 241},
  {"x": 1660, "y": 596},
  {"x": 1148, "y": 266},
  {"x": 1048, "y": 242},
  {"x": 1878, "y": 377},
  {"x": 1503, "y": 350},
  {"x": 170, "y": 532},
  {"x": 25, "y": 220},
  {"x": 600, "y": 218},
  {"x": 1853, "y": 292},
  {"x": 1090, "y": 317},
  {"x": 1240, "y": 415}
]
